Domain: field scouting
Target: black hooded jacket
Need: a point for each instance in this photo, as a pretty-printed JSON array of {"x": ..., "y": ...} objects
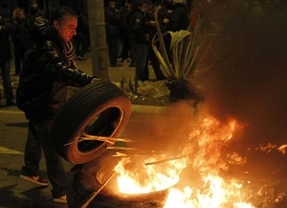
[
  {"x": 46, "y": 74},
  {"x": 5, "y": 52}
]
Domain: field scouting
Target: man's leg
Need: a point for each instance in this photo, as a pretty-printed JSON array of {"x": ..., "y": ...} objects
[
  {"x": 55, "y": 168},
  {"x": 32, "y": 152},
  {"x": 113, "y": 50},
  {"x": 32, "y": 156},
  {"x": 141, "y": 51},
  {"x": 6, "y": 76}
]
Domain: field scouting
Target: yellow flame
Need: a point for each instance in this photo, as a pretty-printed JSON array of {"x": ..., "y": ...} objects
[
  {"x": 205, "y": 143},
  {"x": 136, "y": 177},
  {"x": 282, "y": 149},
  {"x": 216, "y": 193}
]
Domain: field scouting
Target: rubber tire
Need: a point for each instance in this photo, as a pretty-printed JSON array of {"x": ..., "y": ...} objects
[
  {"x": 83, "y": 180},
  {"x": 104, "y": 102}
]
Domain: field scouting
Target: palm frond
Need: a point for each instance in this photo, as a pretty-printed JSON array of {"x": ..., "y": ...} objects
[{"x": 184, "y": 47}]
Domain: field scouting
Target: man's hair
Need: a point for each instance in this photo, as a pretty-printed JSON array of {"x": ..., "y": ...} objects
[
  {"x": 148, "y": 2},
  {"x": 16, "y": 12},
  {"x": 60, "y": 12},
  {"x": 32, "y": 1}
]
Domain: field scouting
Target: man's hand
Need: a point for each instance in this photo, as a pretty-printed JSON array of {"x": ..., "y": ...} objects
[
  {"x": 169, "y": 11},
  {"x": 152, "y": 23},
  {"x": 165, "y": 20},
  {"x": 95, "y": 80}
]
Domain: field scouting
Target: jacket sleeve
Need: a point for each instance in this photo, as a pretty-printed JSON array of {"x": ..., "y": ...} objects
[
  {"x": 72, "y": 77},
  {"x": 53, "y": 62}
]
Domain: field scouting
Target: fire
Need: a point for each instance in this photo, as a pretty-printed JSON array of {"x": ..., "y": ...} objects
[
  {"x": 203, "y": 152},
  {"x": 139, "y": 177},
  {"x": 215, "y": 193},
  {"x": 269, "y": 147}
]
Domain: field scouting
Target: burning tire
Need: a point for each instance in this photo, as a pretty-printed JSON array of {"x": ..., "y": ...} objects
[
  {"x": 86, "y": 179},
  {"x": 100, "y": 109}
]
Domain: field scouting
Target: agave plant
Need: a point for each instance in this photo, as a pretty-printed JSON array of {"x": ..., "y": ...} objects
[{"x": 179, "y": 61}]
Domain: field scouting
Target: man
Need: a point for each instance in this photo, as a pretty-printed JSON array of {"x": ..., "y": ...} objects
[
  {"x": 34, "y": 11},
  {"x": 48, "y": 70},
  {"x": 180, "y": 18},
  {"x": 5, "y": 57},
  {"x": 140, "y": 36},
  {"x": 20, "y": 37},
  {"x": 80, "y": 40},
  {"x": 113, "y": 25}
]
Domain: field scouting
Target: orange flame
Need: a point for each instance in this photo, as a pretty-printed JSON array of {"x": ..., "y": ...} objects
[
  {"x": 203, "y": 152},
  {"x": 136, "y": 177}
]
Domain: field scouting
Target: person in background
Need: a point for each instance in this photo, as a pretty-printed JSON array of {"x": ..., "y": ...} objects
[
  {"x": 113, "y": 25},
  {"x": 164, "y": 15},
  {"x": 48, "y": 70},
  {"x": 80, "y": 40},
  {"x": 140, "y": 36},
  {"x": 20, "y": 37},
  {"x": 165, "y": 21},
  {"x": 34, "y": 11},
  {"x": 180, "y": 17},
  {"x": 125, "y": 13},
  {"x": 5, "y": 57},
  {"x": 151, "y": 54}
]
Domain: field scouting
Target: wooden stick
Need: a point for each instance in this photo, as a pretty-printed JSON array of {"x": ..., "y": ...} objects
[
  {"x": 93, "y": 137},
  {"x": 110, "y": 140},
  {"x": 121, "y": 148},
  {"x": 94, "y": 194},
  {"x": 120, "y": 154},
  {"x": 165, "y": 160},
  {"x": 80, "y": 140}
]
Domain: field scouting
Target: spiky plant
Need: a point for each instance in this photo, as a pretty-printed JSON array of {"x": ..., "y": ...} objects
[{"x": 179, "y": 62}]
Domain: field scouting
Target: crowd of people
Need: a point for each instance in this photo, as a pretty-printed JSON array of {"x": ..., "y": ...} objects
[
  {"x": 133, "y": 25},
  {"x": 129, "y": 27},
  {"x": 17, "y": 30}
]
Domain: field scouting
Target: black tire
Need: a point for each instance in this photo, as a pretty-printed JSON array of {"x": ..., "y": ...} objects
[
  {"x": 100, "y": 109},
  {"x": 85, "y": 179}
]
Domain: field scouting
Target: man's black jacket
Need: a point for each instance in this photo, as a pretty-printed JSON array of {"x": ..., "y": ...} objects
[{"x": 46, "y": 74}]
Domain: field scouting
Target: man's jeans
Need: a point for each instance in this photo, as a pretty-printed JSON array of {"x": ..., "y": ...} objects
[
  {"x": 6, "y": 77},
  {"x": 38, "y": 138},
  {"x": 141, "y": 60}
]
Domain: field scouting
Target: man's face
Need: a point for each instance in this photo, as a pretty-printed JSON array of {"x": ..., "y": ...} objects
[
  {"x": 112, "y": 4},
  {"x": 34, "y": 5},
  {"x": 144, "y": 8},
  {"x": 67, "y": 27},
  {"x": 21, "y": 15}
]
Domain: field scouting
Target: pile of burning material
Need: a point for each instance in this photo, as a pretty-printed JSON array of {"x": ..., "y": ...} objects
[{"x": 204, "y": 172}]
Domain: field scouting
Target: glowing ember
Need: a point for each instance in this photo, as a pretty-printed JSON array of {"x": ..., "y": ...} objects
[
  {"x": 283, "y": 148},
  {"x": 203, "y": 152},
  {"x": 269, "y": 147}
]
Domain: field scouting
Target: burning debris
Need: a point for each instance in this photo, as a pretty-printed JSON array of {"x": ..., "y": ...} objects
[
  {"x": 202, "y": 155},
  {"x": 200, "y": 170},
  {"x": 202, "y": 174}
]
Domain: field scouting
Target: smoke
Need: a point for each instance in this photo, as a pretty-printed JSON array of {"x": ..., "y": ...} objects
[
  {"x": 163, "y": 132},
  {"x": 249, "y": 80}
]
